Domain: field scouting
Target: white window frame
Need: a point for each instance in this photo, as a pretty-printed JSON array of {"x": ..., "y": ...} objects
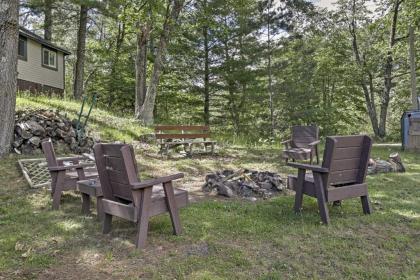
[{"x": 51, "y": 55}]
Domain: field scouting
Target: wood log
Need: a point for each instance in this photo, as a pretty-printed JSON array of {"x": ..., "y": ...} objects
[
  {"x": 396, "y": 159},
  {"x": 235, "y": 174}
]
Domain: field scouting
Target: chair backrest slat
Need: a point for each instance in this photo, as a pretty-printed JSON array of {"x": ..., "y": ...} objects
[
  {"x": 303, "y": 135},
  {"x": 49, "y": 153},
  {"x": 346, "y": 153},
  {"x": 117, "y": 169},
  {"x": 345, "y": 164},
  {"x": 347, "y": 157},
  {"x": 343, "y": 176},
  {"x": 115, "y": 162}
]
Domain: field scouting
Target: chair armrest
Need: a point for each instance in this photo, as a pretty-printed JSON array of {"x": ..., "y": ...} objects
[
  {"x": 88, "y": 156},
  {"x": 156, "y": 181},
  {"x": 314, "y": 168},
  {"x": 68, "y": 167},
  {"x": 74, "y": 159},
  {"x": 286, "y": 142},
  {"x": 314, "y": 143}
]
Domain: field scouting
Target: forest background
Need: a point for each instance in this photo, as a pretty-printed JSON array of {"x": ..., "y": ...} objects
[{"x": 248, "y": 68}]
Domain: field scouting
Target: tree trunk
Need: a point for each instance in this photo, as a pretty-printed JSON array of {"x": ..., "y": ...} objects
[
  {"x": 206, "y": 77},
  {"x": 141, "y": 66},
  {"x": 9, "y": 33},
  {"x": 269, "y": 71},
  {"x": 412, "y": 53},
  {"x": 146, "y": 110},
  {"x": 48, "y": 22},
  {"x": 366, "y": 81},
  {"x": 234, "y": 108},
  {"x": 115, "y": 62},
  {"x": 80, "y": 53},
  {"x": 389, "y": 64}
]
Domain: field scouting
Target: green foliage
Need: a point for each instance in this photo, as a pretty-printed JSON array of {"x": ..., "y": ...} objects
[{"x": 314, "y": 75}]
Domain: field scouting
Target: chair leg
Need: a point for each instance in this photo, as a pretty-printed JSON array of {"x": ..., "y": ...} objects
[
  {"x": 53, "y": 182},
  {"x": 366, "y": 204},
  {"x": 56, "y": 198},
  {"x": 85, "y": 204},
  {"x": 57, "y": 191},
  {"x": 299, "y": 190},
  {"x": 173, "y": 209},
  {"x": 320, "y": 195},
  {"x": 310, "y": 158},
  {"x": 99, "y": 208},
  {"x": 143, "y": 216},
  {"x": 107, "y": 223}
]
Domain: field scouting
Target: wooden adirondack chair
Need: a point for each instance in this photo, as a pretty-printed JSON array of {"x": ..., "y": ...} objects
[
  {"x": 65, "y": 172},
  {"x": 303, "y": 145},
  {"x": 341, "y": 176},
  {"x": 125, "y": 196}
]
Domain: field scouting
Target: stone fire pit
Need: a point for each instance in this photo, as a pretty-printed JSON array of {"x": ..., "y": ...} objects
[{"x": 250, "y": 184}]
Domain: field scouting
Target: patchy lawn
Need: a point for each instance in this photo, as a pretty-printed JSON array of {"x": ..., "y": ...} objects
[
  {"x": 102, "y": 124},
  {"x": 221, "y": 239}
]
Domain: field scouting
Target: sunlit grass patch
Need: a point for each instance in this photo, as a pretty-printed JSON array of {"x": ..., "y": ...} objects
[
  {"x": 109, "y": 126},
  {"x": 221, "y": 239}
]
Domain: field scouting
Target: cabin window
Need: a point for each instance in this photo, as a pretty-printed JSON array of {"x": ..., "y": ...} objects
[
  {"x": 22, "y": 48},
  {"x": 49, "y": 58}
]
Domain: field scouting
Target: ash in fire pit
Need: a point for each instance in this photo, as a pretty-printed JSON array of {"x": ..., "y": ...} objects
[{"x": 244, "y": 183}]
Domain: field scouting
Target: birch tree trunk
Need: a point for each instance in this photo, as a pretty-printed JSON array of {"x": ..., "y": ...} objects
[
  {"x": 9, "y": 33},
  {"x": 80, "y": 53},
  {"x": 145, "y": 113}
]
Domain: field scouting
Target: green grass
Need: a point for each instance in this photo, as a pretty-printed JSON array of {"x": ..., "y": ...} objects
[
  {"x": 107, "y": 125},
  {"x": 221, "y": 239}
]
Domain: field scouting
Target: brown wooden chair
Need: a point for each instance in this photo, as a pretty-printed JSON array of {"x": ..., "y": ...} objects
[
  {"x": 341, "y": 176},
  {"x": 303, "y": 144},
  {"x": 125, "y": 196},
  {"x": 65, "y": 172}
]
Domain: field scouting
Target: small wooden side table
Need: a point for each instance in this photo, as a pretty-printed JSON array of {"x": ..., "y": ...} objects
[{"x": 91, "y": 188}]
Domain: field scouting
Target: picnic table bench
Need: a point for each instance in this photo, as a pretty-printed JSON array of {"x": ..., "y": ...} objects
[{"x": 170, "y": 136}]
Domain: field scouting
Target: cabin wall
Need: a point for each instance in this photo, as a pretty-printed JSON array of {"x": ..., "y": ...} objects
[{"x": 33, "y": 76}]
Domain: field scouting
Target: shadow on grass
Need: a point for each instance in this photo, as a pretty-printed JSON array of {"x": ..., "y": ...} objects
[{"x": 228, "y": 239}]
